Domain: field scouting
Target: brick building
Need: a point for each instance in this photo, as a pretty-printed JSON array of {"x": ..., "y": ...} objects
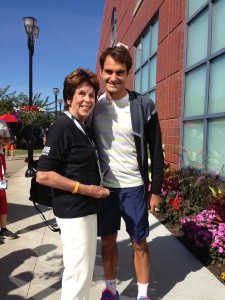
[{"x": 178, "y": 50}]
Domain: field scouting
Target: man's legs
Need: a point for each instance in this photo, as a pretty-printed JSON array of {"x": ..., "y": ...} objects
[
  {"x": 12, "y": 150},
  {"x": 131, "y": 204},
  {"x": 135, "y": 214},
  {"x": 141, "y": 257},
  {"x": 108, "y": 225},
  {"x": 6, "y": 150},
  {"x": 141, "y": 261},
  {"x": 109, "y": 254}
]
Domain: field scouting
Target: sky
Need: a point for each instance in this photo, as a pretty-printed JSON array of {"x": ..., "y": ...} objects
[{"x": 69, "y": 38}]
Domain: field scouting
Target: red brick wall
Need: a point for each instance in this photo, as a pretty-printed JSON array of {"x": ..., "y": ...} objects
[{"x": 170, "y": 58}]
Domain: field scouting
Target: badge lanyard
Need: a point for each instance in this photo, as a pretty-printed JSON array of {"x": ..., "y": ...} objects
[{"x": 90, "y": 141}]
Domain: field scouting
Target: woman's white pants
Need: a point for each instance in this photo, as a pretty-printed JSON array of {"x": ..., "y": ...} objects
[{"x": 79, "y": 240}]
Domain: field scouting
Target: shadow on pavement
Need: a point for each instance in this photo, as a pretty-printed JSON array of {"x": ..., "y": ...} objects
[
  {"x": 14, "y": 260},
  {"x": 168, "y": 267},
  {"x": 26, "y": 211}
]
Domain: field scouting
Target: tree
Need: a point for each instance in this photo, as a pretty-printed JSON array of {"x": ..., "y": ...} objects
[
  {"x": 6, "y": 101},
  {"x": 39, "y": 116}
]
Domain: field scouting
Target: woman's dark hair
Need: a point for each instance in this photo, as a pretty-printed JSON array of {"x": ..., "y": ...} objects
[
  {"x": 74, "y": 80},
  {"x": 119, "y": 54}
]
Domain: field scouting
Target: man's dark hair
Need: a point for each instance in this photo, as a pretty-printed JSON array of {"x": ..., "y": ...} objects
[{"x": 119, "y": 54}]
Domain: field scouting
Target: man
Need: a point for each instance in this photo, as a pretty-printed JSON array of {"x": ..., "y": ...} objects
[
  {"x": 4, "y": 132},
  {"x": 124, "y": 124},
  {"x": 12, "y": 145}
]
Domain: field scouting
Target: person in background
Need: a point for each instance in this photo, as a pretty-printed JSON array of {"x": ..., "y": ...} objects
[
  {"x": 4, "y": 132},
  {"x": 69, "y": 164},
  {"x": 126, "y": 126},
  {"x": 4, "y": 232},
  {"x": 12, "y": 144},
  {"x": 45, "y": 134}
]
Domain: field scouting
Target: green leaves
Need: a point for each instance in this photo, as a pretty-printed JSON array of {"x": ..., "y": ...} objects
[{"x": 12, "y": 103}]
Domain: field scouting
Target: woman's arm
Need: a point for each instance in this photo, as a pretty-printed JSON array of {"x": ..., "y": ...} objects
[{"x": 55, "y": 180}]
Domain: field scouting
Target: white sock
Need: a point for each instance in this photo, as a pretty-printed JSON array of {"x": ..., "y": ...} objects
[
  {"x": 142, "y": 290},
  {"x": 111, "y": 285}
]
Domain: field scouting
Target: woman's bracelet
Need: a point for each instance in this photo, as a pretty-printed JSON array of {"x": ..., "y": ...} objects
[{"x": 74, "y": 191}]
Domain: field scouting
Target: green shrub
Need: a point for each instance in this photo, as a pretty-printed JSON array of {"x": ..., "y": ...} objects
[{"x": 190, "y": 190}]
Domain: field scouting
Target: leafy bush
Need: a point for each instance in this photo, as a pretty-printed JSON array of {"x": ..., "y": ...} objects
[
  {"x": 195, "y": 200},
  {"x": 190, "y": 190},
  {"x": 35, "y": 116},
  {"x": 217, "y": 200}
]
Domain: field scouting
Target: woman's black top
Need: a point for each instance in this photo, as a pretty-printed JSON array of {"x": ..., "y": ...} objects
[{"x": 69, "y": 152}]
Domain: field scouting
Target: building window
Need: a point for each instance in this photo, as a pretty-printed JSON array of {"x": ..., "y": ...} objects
[
  {"x": 146, "y": 61},
  {"x": 194, "y": 5},
  {"x": 203, "y": 130},
  {"x": 113, "y": 33}
]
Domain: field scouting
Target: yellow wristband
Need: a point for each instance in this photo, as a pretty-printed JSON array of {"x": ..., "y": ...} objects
[{"x": 74, "y": 191}]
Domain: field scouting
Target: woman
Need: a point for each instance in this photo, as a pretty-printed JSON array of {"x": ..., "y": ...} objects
[{"x": 69, "y": 164}]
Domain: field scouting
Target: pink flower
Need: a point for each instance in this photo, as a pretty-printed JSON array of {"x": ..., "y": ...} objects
[
  {"x": 220, "y": 250},
  {"x": 216, "y": 173}
]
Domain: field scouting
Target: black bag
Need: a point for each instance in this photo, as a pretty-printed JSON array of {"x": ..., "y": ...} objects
[{"x": 41, "y": 194}]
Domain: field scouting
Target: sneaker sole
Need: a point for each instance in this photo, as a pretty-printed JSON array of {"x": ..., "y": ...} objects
[{"x": 9, "y": 237}]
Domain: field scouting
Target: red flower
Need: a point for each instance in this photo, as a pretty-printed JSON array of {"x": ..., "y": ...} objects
[
  {"x": 26, "y": 108},
  {"x": 175, "y": 202},
  {"x": 32, "y": 108}
]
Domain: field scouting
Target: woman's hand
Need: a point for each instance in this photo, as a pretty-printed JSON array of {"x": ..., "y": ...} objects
[{"x": 94, "y": 191}]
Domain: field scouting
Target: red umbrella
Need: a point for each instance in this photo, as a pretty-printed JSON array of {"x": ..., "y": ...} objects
[{"x": 9, "y": 118}]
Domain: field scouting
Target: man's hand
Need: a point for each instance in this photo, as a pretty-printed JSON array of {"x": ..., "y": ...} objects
[{"x": 152, "y": 201}]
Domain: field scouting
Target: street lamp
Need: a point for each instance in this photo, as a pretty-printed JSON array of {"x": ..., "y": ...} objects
[
  {"x": 56, "y": 92},
  {"x": 32, "y": 34},
  {"x": 60, "y": 105}
]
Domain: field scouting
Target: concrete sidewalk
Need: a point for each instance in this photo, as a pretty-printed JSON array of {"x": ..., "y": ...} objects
[{"x": 31, "y": 266}]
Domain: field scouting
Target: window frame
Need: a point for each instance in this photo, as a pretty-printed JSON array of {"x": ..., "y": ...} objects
[
  {"x": 206, "y": 116},
  {"x": 149, "y": 58}
]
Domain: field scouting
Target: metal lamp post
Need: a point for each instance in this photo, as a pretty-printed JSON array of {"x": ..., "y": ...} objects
[
  {"x": 56, "y": 92},
  {"x": 60, "y": 106},
  {"x": 32, "y": 34}
]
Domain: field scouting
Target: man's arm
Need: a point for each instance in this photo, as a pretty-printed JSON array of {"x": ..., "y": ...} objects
[{"x": 156, "y": 154}]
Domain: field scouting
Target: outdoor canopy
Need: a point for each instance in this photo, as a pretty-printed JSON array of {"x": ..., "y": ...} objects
[{"x": 8, "y": 118}]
